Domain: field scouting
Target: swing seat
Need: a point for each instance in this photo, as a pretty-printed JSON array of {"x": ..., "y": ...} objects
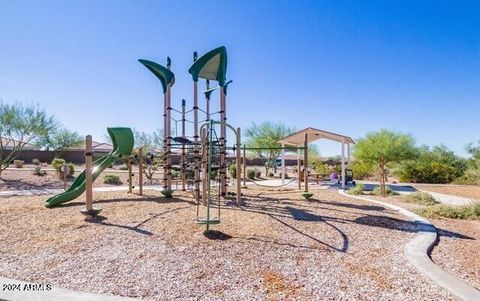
[{"x": 204, "y": 221}]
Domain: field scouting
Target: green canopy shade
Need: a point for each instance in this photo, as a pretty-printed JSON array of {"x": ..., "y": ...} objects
[
  {"x": 212, "y": 66},
  {"x": 164, "y": 75}
]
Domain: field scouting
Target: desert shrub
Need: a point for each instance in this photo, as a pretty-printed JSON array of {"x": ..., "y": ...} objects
[
  {"x": 270, "y": 174},
  {"x": 362, "y": 170},
  {"x": 439, "y": 165},
  {"x": 111, "y": 179},
  {"x": 36, "y": 162},
  {"x": 175, "y": 174},
  {"x": 322, "y": 168},
  {"x": 388, "y": 191},
  {"x": 57, "y": 164},
  {"x": 18, "y": 163},
  {"x": 232, "y": 170},
  {"x": 471, "y": 177},
  {"x": 357, "y": 189},
  {"x": 38, "y": 171},
  {"x": 251, "y": 174},
  {"x": 454, "y": 212},
  {"x": 307, "y": 195},
  {"x": 258, "y": 173},
  {"x": 421, "y": 198},
  {"x": 167, "y": 193}
]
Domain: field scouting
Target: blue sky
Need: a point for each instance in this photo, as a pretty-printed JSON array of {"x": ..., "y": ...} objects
[{"x": 345, "y": 66}]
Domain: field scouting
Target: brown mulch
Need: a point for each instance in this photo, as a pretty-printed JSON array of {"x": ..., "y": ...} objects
[
  {"x": 466, "y": 191},
  {"x": 276, "y": 246},
  {"x": 457, "y": 250}
]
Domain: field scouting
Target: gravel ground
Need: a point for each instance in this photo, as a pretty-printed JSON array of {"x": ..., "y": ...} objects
[
  {"x": 458, "y": 245},
  {"x": 276, "y": 246},
  {"x": 466, "y": 191}
]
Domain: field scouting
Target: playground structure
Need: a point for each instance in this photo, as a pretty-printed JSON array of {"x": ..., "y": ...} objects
[{"x": 203, "y": 154}]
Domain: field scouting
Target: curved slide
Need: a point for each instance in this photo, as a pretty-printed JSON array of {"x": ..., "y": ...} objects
[{"x": 122, "y": 139}]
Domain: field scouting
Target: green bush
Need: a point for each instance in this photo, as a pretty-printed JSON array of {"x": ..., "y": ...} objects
[
  {"x": 111, "y": 179},
  {"x": 421, "y": 198},
  {"x": 322, "y": 168},
  {"x": 357, "y": 189},
  {"x": 307, "y": 195},
  {"x": 36, "y": 162},
  {"x": 232, "y": 170},
  {"x": 362, "y": 170},
  {"x": 167, "y": 193},
  {"x": 454, "y": 212},
  {"x": 439, "y": 165},
  {"x": 388, "y": 191},
  {"x": 251, "y": 174},
  {"x": 57, "y": 164},
  {"x": 175, "y": 174},
  {"x": 471, "y": 177},
  {"x": 270, "y": 174},
  {"x": 18, "y": 163},
  {"x": 38, "y": 171},
  {"x": 258, "y": 173}
]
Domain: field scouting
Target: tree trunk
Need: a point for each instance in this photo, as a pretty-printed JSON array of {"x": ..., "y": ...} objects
[{"x": 382, "y": 180}]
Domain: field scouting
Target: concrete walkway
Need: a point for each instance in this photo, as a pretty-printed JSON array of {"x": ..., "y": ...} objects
[
  {"x": 417, "y": 253},
  {"x": 20, "y": 291},
  {"x": 450, "y": 199}
]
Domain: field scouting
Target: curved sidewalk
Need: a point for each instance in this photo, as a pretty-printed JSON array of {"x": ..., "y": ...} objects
[{"x": 417, "y": 253}]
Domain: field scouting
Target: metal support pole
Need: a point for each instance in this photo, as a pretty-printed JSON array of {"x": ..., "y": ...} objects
[
  {"x": 195, "y": 146},
  {"x": 223, "y": 142},
  {"x": 130, "y": 182},
  {"x": 88, "y": 173},
  {"x": 165, "y": 141},
  {"x": 343, "y": 164},
  {"x": 348, "y": 153},
  {"x": 169, "y": 129},
  {"x": 140, "y": 171},
  {"x": 183, "y": 145},
  {"x": 203, "y": 165},
  {"x": 283, "y": 163},
  {"x": 237, "y": 168},
  {"x": 244, "y": 166},
  {"x": 305, "y": 161}
]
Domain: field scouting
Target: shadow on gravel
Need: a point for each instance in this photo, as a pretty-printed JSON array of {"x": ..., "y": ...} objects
[
  {"x": 216, "y": 235},
  {"x": 155, "y": 199},
  {"x": 100, "y": 220}
]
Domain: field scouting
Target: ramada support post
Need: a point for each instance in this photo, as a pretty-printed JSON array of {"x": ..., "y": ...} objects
[{"x": 298, "y": 171}]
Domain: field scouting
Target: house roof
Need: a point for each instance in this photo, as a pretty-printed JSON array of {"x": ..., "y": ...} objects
[
  {"x": 8, "y": 144},
  {"x": 297, "y": 139}
]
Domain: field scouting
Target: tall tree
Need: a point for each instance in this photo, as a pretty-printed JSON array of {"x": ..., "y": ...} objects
[
  {"x": 385, "y": 147},
  {"x": 267, "y": 135},
  {"x": 60, "y": 140},
  {"x": 19, "y": 125}
]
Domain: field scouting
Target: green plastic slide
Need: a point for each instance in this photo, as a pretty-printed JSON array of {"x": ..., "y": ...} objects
[{"x": 122, "y": 139}]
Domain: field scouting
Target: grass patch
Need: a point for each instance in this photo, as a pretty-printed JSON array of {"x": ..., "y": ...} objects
[
  {"x": 421, "y": 198},
  {"x": 388, "y": 191},
  {"x": 469, "y": 212},
  {"x": 307, "y": 195},
  {"x": 357, "y": 189}
]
